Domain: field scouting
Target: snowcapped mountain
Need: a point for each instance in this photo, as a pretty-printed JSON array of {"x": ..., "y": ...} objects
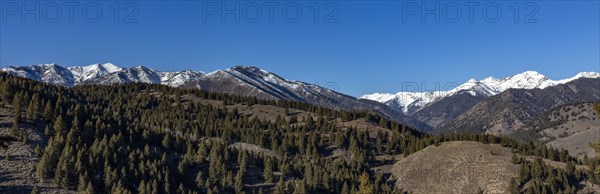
[
  {"x": 81, "y": 74},
  {"x": 411, "y": 102},
  {"x": 238, "y": 80},
  {"x": 50, "y": 73},
  {"x": 56, "y": 74}
]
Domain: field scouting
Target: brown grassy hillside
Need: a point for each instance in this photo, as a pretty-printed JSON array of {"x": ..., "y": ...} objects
[{"x": 456, "y": 167}]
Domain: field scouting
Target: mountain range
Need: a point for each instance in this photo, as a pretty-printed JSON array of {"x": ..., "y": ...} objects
[
  {"x": 238, "y": 80},
  {"x": 492, "y": 105},
  {"x": 411, "y": 102}
]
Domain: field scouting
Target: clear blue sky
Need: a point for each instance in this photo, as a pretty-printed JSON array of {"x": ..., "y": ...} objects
[{"x": 369, "y": 49}]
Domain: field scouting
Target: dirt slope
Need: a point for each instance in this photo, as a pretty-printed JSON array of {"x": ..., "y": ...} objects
[{"x": 456, "y": 167}]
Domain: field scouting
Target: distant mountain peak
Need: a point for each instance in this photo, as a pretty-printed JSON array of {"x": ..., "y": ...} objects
[
  {"x": 472, "y": 80},
  {"x": 141, "y": 67},
  {"x": 245, "y": 67},
  {"x": 250, "y": 70},
  {"x": 109, "y": 67},
  {"x": 530, "y": 74}
]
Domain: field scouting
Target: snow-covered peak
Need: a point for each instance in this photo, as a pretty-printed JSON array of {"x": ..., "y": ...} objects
[
  {"x": 473, "y": 87},
  {"x": 244, "y": 67},
  {"x": 380, "y": 97},
  {"x": 82, "y": 73},
  {"x": 52, "y": 73},
  {"x": 109, "y": 67},
  {"x": 142, "y": 68},
  {"x": 532, "y": 74},
  {"x": 472, "y": 81},
  {"x": 490, "y": 81},
  {"x": 48, "y": 65},
  {"x": 525, "y": 80},
  {"x": 176, "y": 79}
]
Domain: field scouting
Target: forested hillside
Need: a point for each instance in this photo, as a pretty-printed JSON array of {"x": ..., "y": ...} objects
[
  {"x": 142, "y": 138},
  {"x": 148, "y": 138}
]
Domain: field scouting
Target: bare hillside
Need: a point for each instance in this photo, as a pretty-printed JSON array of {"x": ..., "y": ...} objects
[{"x": 456, "y": 167}]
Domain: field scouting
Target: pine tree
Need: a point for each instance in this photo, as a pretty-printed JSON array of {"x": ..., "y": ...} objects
[
  {"x": 345, "y": 189},
  {"x": 515, "y": 159},
  {"x": 24, "y": 137},
  {"x": 142, "y": 187},
  {"x": 378, "y": 144},
  {"x": 365, "y": 186},
  {"x": 59, "y": 125},
  {"x": 5, "y": 91},
  {"x": 268, "y": 172},
  {"x": 32, "y": 109},
  {"x": 89, "y": 189},
  {"x": 300, "y": 187},
  {"x": 35, "y": 190},
  {"x": 181, "y": 189},
  {"x": 239, "y": 182},
  {"x": 279, "y": 187},
  {"x": 154, "y": 187},
  {"x": 64, "y": 170},
  {"x": 167, "y": 142},
  {"x": 383, "y": 122},
  {"x": 167, "y": 183},
  {"x": 48, "y": 112},
  {"x": 214, "y": 171},
  {"x": 82, "y": 184},
  {"x": 199, "y": 180},
  {"x": 14, "y": 130},
  {"x": 16, "y": 104}
]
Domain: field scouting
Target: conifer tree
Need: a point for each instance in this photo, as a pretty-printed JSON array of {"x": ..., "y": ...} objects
[
  {"x": 59, "y": 125},
  {"x": 15, "y": 128},
  {"x": 345, "y": 189},
  {"x": 239, "y": 182},
  {"x": 365, "y": 185},
  {"x": 300, "y": 187},
  {"x": 32, "y": 109},
  {"x": 35, "y": 190},
  {"x": 268, "y": 170},
  {"x": 90, "y": 189},
  {"x": 82, "y": 184},
  {"x": 199, "y": 180},
  {"x": 279, "y": 187},
  {"x": 48, "y": 111}
]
